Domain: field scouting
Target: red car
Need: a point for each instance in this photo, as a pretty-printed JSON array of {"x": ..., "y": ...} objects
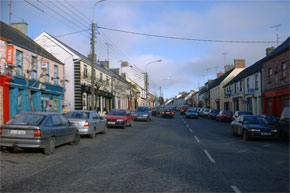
[
  {"x": 184, "y": 109},
  {"x": 120, "y": 118},
  {"x": 224, "y": 116}
]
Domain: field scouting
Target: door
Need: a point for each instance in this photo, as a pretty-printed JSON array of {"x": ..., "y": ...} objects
[
  {"x": 96, "y": 121},
  {"x": 69, "y": 131},
  {"x": 59, "y": 131},
  {"x": 102, "y": 122}
]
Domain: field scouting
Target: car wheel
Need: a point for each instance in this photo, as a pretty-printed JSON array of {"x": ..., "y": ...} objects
[
  {"x": 132, "y": 123},
  {"x": 105, "y": 130},
  {"x": 245, "y": 136},
  {"x": 125, "y": 125},
  {"x": 76, "y": 139},
  {"x": 93, "y": 134},
  {"x": 233, "y": 132},
  {"x": 50, "y": 148}
]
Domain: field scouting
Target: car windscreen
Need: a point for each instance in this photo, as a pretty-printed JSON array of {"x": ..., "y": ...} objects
[
  {"x": 27, "y": 119},
  {"x": 227, "y": 112},
  {"x": 245, "y": 113},
  {"x": 142, "y": 109},
  {"x": 78, "y": 115},
  {"x": 215, "y": 111},
  {"x": 255, "y": 120},
  {"x": 117, "y": 112}
]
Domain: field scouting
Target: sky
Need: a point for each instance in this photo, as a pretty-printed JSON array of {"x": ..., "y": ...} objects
[{"x": 186, "y": 64}]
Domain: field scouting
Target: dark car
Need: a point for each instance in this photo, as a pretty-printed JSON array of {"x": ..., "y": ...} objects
[
  {"x": 168, "y": 112},
  {"x": 250, "y": 126},
  {"x": 238, "y": 113},
  {"x": 284, "y": 123},
  {"x": 213, "y": 113},
  {"x": 224, "y": 116},
  {"x": 38, "y": 130},
  {"x": 191, "y": 114},
  {"x": 183, "y": 109},
  {"x": 154, "y": 111}
]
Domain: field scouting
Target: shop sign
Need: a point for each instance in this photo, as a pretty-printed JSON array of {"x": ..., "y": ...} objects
[
  {"x": 250, "y": 91},
  {"x": 9, "y": 54},
  {"x": 44, "y": 64}
]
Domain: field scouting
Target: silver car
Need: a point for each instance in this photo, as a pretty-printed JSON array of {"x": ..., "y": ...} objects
[
  {"x": 38, "y": 130},
  {"x": 88, "y": 122},
  {"x": 143, "y": 113}
]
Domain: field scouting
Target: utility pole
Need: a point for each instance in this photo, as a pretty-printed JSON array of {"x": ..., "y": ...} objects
[
  {"x": 146, "y": 87},
  {"x": 92, "y": 66},
  {"x": 10, "y": 12},
  {"x": 277, "y": 34}
]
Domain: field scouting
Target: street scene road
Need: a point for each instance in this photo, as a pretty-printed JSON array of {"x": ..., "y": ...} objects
[{"x": 162, "y": 155}]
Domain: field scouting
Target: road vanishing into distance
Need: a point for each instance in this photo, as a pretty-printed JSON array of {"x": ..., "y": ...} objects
[{"x": 164, "y": 155}]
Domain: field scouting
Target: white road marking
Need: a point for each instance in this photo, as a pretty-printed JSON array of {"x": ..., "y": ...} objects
[
  {"x": 209, "y": 156},
  {"x": 235, "y": 188},
  {"x": 187, "y": 125},
  {"x": 190, "y": 130},
  {"x": 197, "y": 139}
]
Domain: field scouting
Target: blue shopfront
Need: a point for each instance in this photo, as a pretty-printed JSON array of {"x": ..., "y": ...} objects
[{"x": 45, "y": 97}]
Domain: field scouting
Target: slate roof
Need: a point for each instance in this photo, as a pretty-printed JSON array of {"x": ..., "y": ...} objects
[
  {"x": 282, "y": 47},
  {"x": 259, "y": 64},
  {"x": 215, "y": 82},
  {"x": 247, "y": 72},
  {"x": 88, "y": 61},
  {"x": 19, "y": 39}
]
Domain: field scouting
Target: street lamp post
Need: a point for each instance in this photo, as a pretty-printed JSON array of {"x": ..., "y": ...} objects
[
  {"x": 93, "y": 57},
  {"x": 146, "y": 80}
]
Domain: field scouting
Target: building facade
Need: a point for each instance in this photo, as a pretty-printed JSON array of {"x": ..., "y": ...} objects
[{"x": 276, "y": 80}]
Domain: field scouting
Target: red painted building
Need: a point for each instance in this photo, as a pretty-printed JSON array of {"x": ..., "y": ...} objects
[
  {"x": 4, "y": 84},
  {"x": 276, "y": 80}
]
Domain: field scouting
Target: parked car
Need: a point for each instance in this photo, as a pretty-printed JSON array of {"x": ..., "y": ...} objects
[
  {"x": 168, "y": 112},
  {"x": 88, "y": 122},
  {"x": 142, "y": 113},
  {"x": 250, "y": 126},
  {"x": 191, "y": 114},
  {"x": 38, "y": 130},
  {"x": 224, "y": 116},
  {"x": 205, "y": 112},
  {"x": 201, "y": 111},
  {"x": 213, "y": 113},
  {"x": 272, "y": 120},
  {"x": 120, "y": 118},
  {"x": 154, "y": 111},
  {"x": 284, "y": 123},
  {"x": 183, "y": 109},
  {"x": 238, "y": 113}
]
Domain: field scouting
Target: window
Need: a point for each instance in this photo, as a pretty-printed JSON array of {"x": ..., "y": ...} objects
[
  {"x": 34, "y": 67},
  {"x": 55, "y": 120},
  {"x": 256, "y": 81},
  {"x": 19, "y": 62},
  {"x": 47, "y": 72},
  {"x": 55, "y": 78},
  {"x": 284, "y": 70},
  {"x": 270, "y": 73},
  {"x": 85, "y": 71},
  {"x": 236, "y": 88},
  {"x": 248, "y": 82},
  {"x": 241, "y": 87}
]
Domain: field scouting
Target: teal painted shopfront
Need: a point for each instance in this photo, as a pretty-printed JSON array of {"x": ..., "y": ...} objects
[{"x": 45, "y": 97}]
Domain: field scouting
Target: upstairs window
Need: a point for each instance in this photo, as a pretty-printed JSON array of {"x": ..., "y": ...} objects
[
  {"x": 284, "y": 70},
  {"x": 241, "y": 87},
  {"x": 19, "y": 62},
  {"x": 47, "y": 72},
  {"x": 248, "y": 82},
  {"x": 34, "y": 67},
  {"x": 256, "y": 82},
  {"x": 55, "y": 77},
  {"x": 85, "y": 73},
  {"x": 270, "y": 73}
]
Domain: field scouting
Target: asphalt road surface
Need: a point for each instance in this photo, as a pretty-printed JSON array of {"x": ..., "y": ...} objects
[{"x": 164, "y": 155}]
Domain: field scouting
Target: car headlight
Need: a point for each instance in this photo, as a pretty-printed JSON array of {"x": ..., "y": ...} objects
[
  {"x": 253, "y": 130},
  {"x": 145, "y": 115},
  {"x": 120, "y": 120},
  {"x": 274, "y": 131}
]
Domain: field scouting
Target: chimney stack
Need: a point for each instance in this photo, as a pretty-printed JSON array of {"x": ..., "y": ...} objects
[
  {"x": 106, "y": 64},
  {"x": 228, "y": 67},
  {"x": 269, "y": 50},
  {"x": 239, "y": 63},
  {"x": 219, "y": 74},
  {"x": 124, "y": 64},
  {"x": 20, "y": 26}
]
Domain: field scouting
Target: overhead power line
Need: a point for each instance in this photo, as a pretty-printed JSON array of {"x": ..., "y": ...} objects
[
  {"x": 186, "y": 39},
  {"x": 72, "y": 33}
]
